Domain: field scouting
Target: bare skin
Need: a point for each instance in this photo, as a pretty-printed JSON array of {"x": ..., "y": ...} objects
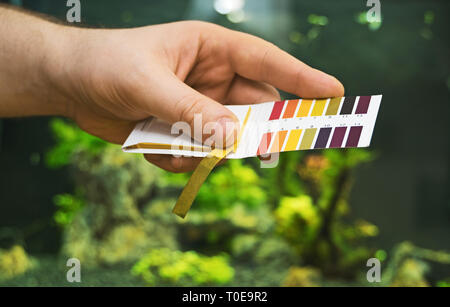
[{"x": 107, "y": 80}]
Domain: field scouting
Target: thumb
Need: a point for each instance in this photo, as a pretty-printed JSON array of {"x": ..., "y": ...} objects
[{"x": 209, "y": 120}]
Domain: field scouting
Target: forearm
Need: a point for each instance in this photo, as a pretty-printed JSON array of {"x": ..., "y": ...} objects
[{"x": 32, "y": 53}]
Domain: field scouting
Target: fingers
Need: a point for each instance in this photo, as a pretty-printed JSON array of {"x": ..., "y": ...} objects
[
  {"x": 260, "y": 60},
  {"x": 174, "y": 164},
  {"x": 115, "y": 131},
  {"x": 245, "y": 91},
  {"x": 174, "y": 101}
]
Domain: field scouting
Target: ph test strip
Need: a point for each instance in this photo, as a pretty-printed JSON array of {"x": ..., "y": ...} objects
[{"x": 272, "y": 127}]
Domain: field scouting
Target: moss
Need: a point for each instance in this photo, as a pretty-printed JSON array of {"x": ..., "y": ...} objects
[
  {"x": 183, "y": 268},
  {"x": 14, "y": 262},
  {"x": 411, "y": 274},
  {"x": 303, "y": 277}
]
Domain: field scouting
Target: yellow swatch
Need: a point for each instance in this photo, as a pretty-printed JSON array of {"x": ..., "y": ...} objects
[
  {"x": 293, "y": 139},
  {"x": 318, "y": 107},
  {"x": 305, "y": 106}
]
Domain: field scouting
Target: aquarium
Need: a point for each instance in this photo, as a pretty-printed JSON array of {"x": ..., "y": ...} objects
[{"x": 320, "y": 218}]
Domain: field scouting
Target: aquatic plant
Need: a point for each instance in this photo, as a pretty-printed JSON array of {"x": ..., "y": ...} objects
[
  {"x": 14, "y": 262},
  {"x": 183, "y": 268}
]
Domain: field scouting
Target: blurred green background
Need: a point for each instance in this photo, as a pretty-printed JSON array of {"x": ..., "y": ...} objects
[{"x": 313, "y": 220}]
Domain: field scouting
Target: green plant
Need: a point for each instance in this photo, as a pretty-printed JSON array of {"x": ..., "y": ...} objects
[
  {"x": 14, "y": 262},
  {"x": 298, "y": 220},
  {"x": 408, "y": 265},
  {"x": 68, "y": 206},
  {"x": 69, "y": 140},
  {"x": 313, "y": 221},
  {"x": 183, "y": 268},
  {"x": 233, "y": 184}
]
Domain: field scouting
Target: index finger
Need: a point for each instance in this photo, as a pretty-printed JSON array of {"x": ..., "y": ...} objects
[{"x": 260, "y": 60}]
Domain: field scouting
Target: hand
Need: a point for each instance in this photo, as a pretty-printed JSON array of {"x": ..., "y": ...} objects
[
  {"x": 173, "y": 71},
  {"x": 108, "y": 80}
]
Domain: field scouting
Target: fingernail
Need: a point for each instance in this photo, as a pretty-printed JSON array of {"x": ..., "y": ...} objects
[{"x": 228, "y": 127}]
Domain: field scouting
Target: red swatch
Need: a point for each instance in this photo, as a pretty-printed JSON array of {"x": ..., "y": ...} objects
[
  {"x": 264, "y": 145},
  {"x": 276, "y": 111}
]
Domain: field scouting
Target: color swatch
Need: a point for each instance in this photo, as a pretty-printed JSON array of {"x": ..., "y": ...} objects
[
  {"x": 319, "y": 106},
  {"x": 293, "y": 140},
  {"x": 305, "y": 106},
  {"x": 353, "y": 136},
  {"x": 288, "y": 125},
  {"x": 311, "y": 107},
  {"x": 276, "y": 111},
  {"x": 322, "y": 138},
  {"x": 312, "y": 138},
  {"x": 338, "y": 137},
  {"x": 333, "y": 106},
  {"x": 363, "y": 105},
  {"x": 290, "y": 108},
  {"x": 278, "y": 141},
  {"x": 308, "y": 138},
  {"x": 347, "y": 106},
  {"x": 265, "y": 143}
]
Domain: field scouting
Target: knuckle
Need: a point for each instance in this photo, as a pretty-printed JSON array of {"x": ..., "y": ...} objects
[
  {"x": 298, "y": 76},
  {"x": 268, "y": 50}
]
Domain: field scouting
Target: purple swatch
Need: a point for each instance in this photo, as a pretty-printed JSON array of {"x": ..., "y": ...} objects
[
  {"x": 322, "y": 138},
  {"x": 363, "y": 105},
  {"x": 353, "y": 136},
  {"x": 338, "y": 137}
]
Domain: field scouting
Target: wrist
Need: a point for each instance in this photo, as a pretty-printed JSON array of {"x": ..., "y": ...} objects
[
  {"x": 29, "y": 55},
  {"x": 57, "y": 66}
]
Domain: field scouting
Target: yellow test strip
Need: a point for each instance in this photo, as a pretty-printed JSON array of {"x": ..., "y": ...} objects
[
  {"x": 167, "y": 147},
  {"x": 202, "y": 172}
]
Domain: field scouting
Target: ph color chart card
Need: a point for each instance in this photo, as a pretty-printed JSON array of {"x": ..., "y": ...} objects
[{"x": 273, "y": 127}]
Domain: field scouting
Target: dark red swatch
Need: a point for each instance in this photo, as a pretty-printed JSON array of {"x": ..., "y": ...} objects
[
  {"x": 338, "y": 137},
  {"x": 363, "y": 105},
  {"x": 353, "y": 136},
  {"x": 276, "y": 111}
]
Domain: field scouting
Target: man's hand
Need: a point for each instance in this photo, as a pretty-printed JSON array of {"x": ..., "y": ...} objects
[{"x": 107, "y": 80}]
